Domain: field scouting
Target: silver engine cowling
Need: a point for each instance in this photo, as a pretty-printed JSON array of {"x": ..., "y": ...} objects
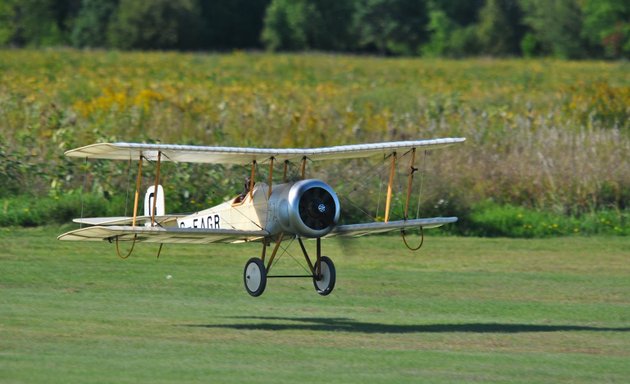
[{"x": 310, "y": 209}]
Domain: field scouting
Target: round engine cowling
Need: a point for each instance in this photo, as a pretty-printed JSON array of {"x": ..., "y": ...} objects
[{"x": 311, "y": 210}]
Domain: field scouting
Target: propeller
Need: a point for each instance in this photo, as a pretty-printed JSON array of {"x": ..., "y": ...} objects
[
  {"x": 312, "y": 209},
  {"x": 317, "y": 208}
]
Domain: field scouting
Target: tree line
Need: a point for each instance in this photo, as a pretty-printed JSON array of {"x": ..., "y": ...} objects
[{"x": 573, "y": 29}]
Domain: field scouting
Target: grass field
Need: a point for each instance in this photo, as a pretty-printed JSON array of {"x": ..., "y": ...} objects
[{"x": 461, "y": 310}]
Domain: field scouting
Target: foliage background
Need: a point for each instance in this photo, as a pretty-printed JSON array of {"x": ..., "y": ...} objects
[
  {"x": 453, "y": 28},
  {"x": 547, "y": 139}
]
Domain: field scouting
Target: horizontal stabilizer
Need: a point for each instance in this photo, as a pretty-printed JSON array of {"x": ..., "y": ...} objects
[
  {"x": 173, "y": 235},
  {"x": 381, "y": 227}
]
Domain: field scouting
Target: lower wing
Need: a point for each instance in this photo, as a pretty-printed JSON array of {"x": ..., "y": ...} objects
[
  {"x": 127, "y": 220},
  {"x": 207, "y": 236},
  {"x": 380, "y": 227},
  {"x": 162, "y": 235}
]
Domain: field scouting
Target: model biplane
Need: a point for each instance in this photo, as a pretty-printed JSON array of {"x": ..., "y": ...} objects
[{"x": 266, "y": 212}]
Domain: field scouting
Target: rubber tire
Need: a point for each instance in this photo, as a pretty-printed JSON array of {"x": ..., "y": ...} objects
[
  {"x": 327, "y": 283},
  {"x": 255, "y": 266}
]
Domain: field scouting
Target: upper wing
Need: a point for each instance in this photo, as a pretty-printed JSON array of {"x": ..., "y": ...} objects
[
  {"x": 237, "y": 155},
  {"x": 162, "y": 235},
  {"x": 380, "y": 227}
]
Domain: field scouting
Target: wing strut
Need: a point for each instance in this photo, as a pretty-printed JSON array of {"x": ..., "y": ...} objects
[
  {"x": 252, "y": 180},
  {"x": 284, "y": 176},
  {"x": 412, "y": 170},
  {"x": 390, "y": 183},
  {"x": 303, "y": 168},
  {"x": 270, "y": 177},
  {"x": 155, "y": 189},
  {"x": 275, "y": 251},
  {"x": 135, "y": 201}
]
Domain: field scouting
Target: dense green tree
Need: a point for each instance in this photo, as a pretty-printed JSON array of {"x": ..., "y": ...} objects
[
  {"x": 64, "y": 13},
  {"x": 461, "y": 12},
  {"x": 453, "y": 28},
  {"x": 391, "y": 26},
  {"x": 440, "y": 28},
  {"x": 330, "y": 27},
  {"x": 232, "y": 24},
  {"x": 36, "y": 22},
  {"x": 285, "y": 25},
  {"x": 557, "y": 26},
  {"x": 498, "y": 30},
  {"x": 305, "y": 24},
  {"x": 607, "y": 24},
  {"x": 90, "y": 27},
  {"x": 529, "y": 45},
  {"x": 447, "y": 37},
  {"x": 8, "y": 22},
  {"x": 158, "y": 24}
]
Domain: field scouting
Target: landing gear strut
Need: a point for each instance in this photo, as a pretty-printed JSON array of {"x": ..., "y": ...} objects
[{"x": 323, "y": 273}]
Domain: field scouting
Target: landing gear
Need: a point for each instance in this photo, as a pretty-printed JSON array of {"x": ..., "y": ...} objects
[
  {"x": 322, "y": 271},
  {"x": 325, "y": 282},
  {"x": 255, "y": 277}
]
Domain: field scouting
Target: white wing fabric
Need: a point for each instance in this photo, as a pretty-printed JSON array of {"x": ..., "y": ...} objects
[
  {"x": 127, "y": 220},
  {"x": 171, "y": 235},
  {"x": 381, "y": 227},
  {"x": 206, "y": 236},
  {"x": 238, "y": 155}
]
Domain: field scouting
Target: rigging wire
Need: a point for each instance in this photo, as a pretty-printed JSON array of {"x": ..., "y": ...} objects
[
  {"x": 364, "y": 184},
  {"x": 380, "y": 193},
  {"x": 128, "y": 186},
  {"x": 85, "y": 166},
  {"x": 285, "y": 250},
  {"x": 400, "y": 206},
  {"x": 424, "y": 167},
  {"x": 403, "y": 232}
]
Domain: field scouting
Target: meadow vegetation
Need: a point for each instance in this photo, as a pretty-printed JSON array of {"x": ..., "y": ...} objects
[{"x": 546, "y": 139}]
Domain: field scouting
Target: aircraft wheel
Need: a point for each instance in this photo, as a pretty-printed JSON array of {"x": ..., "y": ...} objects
[
  {"x": 255, "y": 277},
  {"x": 326, "y": 282}
]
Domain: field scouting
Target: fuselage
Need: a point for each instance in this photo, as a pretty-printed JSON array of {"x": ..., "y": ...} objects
[{"x": 309, "y": 208}]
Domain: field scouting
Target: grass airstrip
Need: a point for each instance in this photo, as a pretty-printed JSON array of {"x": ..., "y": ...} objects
[{"x": 460, "y": 310}]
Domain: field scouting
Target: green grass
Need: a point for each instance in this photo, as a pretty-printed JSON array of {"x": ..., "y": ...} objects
[{"x": 462, "y": 310}]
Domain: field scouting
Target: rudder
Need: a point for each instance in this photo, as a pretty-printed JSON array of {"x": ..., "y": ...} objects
[{"x": 159, "y": 203}]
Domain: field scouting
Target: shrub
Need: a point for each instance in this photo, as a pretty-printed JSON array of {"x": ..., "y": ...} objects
[{"x": 490, "y": 219}]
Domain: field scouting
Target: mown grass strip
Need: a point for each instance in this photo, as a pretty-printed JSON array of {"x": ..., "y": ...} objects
[{"x": 463, "y": 309}]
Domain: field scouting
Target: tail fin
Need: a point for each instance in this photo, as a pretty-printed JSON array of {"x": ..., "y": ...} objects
[{"x": 159, "y": 203}]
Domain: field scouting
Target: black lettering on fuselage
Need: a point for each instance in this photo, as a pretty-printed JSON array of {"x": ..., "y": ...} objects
[{"x": 210, "y": 222}]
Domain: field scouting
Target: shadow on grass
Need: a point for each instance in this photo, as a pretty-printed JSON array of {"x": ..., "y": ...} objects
[{"x": 349, "y": 325}]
